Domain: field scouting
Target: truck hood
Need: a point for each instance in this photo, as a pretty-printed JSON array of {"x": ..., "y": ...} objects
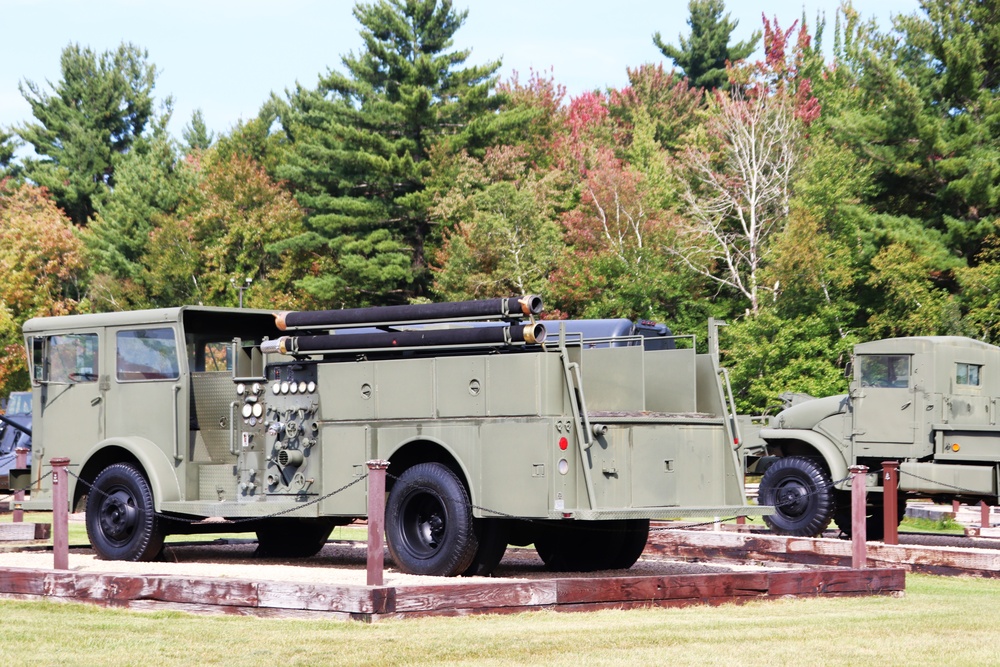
[{"x": 806, "y": 415}]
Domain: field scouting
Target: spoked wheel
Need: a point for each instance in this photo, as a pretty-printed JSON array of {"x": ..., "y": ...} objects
[
  {"x": 121, "y": 521},
  {"x": 802, "y": 494},
  {"x": 428, "y": 522}
]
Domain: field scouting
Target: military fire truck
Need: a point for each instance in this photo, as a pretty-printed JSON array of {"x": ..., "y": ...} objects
[
  {"x": 499, "y": 429},
  {"x": 930, "y": 403}
]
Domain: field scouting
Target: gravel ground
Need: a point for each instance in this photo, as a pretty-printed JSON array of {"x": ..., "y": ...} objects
[{"x": 339, "y": 562}]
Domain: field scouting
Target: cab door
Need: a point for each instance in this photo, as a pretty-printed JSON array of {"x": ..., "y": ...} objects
[
  {"x": 146, "y": 392},
  {"x": 69, "y": 398},
  {"x": 884, "y": 401}
]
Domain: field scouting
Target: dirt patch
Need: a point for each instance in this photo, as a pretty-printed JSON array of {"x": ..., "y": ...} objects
[{"x": 340, "y": 562}]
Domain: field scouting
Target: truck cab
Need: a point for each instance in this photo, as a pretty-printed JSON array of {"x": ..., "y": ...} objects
[{"x": 928, "y": 402}]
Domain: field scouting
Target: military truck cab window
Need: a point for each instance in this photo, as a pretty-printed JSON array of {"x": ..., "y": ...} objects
[
  {"x": 967, "y": 374},
  {"x": 70, "y": 359},
  {"x": 209, "y": 355},
  {"x": 146, "y": 354},
  {"x": 885, "y": 370}
]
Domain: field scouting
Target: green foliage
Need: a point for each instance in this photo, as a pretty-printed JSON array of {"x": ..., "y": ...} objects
[
  {"x": 503, "y": 238},
  {"x": 152, "y": 182},
  {"x": 703, "y": 56},
  {"x": 360, "y": 145},
  {"x": 196, "y": 134},
  {"x": 42, "y": 266},
  {"x": 769, "y": 355},
  {"x": 8, "y": 145},
  {"x": 220, "y": 236},
  {"x": 95, "y": 112}
]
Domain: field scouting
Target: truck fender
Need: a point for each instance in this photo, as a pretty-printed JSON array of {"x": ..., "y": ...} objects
[
  {"x": 830, "y": 452},
  {"x": 159, "y": 468},
  {"x": 466, "y": 474}
]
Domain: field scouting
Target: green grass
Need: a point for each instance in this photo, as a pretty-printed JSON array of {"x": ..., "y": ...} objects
[
  {"x": 940, "y": 621},
  {"x": 945, "y": 526}
]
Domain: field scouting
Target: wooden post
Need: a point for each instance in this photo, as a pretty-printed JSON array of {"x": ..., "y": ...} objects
[
  {"x": 60, "y": 513},
  {"x": 859, "y": 555},
  {"x": 21, "y": 461},
  {"x": 955, "y": 507},
  {"x": 890, "y": 501},
  {"x": 741, "y": 521},
  {"x": 984, "y": 514},
  {"x": 376, "y": 520}
]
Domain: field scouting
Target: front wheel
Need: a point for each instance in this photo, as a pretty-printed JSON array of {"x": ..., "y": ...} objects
[
  {"x": 121, "y": 521},
  {"x": 802, "y": 493},
  {"x": 428, "y": 522}
]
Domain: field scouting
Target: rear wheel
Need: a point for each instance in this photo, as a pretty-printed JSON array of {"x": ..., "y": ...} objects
[
  {"x": 293, "y": 538},
  {"x": 592, "y": 545},
  {"x": 121, "y": 521},
  {"x": 428, "y": 522},
  {"x": 491, "y": 534},
  {"x": 802, "y": 493},
  {"x": 874, "y": 515}
]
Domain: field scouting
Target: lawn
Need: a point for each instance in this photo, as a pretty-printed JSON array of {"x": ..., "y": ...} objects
[{"x": 939, "y": 621}]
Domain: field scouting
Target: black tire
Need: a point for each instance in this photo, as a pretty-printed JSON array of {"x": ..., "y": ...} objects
[
  {"x": 491, "y": 534},
  {"x": 633, "y": 544},
  {"x": 589, "y": 546},
  {"x": 802, "y": 492},
  {"x": 121, "y": 520},
  {"x": 874, "y": 515},
  {"x": 428, "y": 522},
  {"x": 293, "y": 538}
]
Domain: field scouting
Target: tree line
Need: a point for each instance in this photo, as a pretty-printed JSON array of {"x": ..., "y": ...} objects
[{"x": 811, "y": 201}]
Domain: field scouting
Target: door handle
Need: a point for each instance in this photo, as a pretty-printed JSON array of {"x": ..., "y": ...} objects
[{"x": 95, "y": 401}]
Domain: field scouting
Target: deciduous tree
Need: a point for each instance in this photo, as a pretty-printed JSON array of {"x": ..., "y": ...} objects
[{"x": 42, "y": 267}]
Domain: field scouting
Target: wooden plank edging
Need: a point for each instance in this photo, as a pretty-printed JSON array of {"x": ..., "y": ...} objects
[{"x": 276, "y": 598}]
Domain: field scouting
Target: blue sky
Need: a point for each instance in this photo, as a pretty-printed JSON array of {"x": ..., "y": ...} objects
[{"x": 226, "y": 56}]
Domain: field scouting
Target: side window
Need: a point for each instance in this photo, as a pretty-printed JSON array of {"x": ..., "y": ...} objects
[
  {"x": 968, "y": 374},
  {"x": 146, "y": 354},
  {"x": 885, "y": 370},
  {"x": 210, "y": 355},
  {"x": 72, "y": 358}
]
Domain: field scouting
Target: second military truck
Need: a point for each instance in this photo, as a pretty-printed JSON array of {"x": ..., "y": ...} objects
[
  {"x": 497, "y": 430},
  {"x": 930, "y": 403}
]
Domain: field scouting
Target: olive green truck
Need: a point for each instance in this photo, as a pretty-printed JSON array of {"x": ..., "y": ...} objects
[
  {"x": 499, "y": 430},
  {"x": 930, "y": 403}
]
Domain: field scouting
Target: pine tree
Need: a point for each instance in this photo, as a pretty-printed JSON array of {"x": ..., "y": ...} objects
[
  {"x": 95, "y": 112},
  {"x": 703, "y": 56},
  {"x": 8, "y": 146},
  {"x": 196, "y": 134},
  {"x": 360, "y": 145}
]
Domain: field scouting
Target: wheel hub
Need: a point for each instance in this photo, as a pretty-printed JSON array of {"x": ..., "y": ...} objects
[
  {"x": 792, "y": 499},
  {"x": 119, "y": 515},
  {"x": 430, "y": 529}
]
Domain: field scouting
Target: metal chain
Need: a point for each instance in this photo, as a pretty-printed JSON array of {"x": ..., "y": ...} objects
[
  {"x": 11, "y": 495},
  {"x": 279, "y": 513},
  {"x": 932, "y": 481},
  {"x": 547, "y": 522}
]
